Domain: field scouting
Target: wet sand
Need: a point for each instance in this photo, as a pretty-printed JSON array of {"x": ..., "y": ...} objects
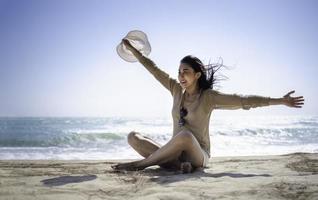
[{"x": 293, "y": 176}]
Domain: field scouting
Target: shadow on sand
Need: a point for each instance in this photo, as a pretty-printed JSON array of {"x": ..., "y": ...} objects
[
  {"x": 199, "y": 174},
  {"x": 163, "y": 176},
  {"x": 62, "y": 180}
]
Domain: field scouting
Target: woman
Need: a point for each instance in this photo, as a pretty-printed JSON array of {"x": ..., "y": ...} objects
[{"x": 193, "y": 101}]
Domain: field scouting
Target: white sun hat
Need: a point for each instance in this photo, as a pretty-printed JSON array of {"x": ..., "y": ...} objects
[{"x": 137, "y": 39}]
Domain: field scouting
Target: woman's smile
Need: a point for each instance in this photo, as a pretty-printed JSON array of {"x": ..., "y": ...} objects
[{"x": 183, "y": 82}]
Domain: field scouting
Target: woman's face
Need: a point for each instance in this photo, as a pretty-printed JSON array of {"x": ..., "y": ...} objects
[{"x": 187, "y": 76}]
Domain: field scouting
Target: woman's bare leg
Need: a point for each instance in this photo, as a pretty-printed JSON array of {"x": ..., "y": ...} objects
[
  {"x": 182, "y": 142},
  {"x": 146, "y": 146},
  {"x": 142, "y": 144}
]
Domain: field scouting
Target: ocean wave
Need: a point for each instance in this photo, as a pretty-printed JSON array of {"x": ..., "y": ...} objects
[
  {"x": 89, "y": 138},
  {"x": 275, "y": 135},
  {"x": 66, "y": 140}
]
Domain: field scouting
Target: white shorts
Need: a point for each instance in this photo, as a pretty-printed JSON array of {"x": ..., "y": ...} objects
[{"x": 205, "y": 158}]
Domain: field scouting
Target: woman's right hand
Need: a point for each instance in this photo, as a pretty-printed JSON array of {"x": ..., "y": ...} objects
[{"x": 129, "y": 46}]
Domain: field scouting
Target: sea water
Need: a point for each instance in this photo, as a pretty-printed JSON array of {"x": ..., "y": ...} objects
[{"x": 106, "y": 138}]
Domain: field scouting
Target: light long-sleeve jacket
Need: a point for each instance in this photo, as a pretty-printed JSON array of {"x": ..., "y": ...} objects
[{"x": 199, "y": 111}]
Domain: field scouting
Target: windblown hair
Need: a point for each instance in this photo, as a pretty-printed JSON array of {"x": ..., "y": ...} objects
[{"x": 208, "y": 78}]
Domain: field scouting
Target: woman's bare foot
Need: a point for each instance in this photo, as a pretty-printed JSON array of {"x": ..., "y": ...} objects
[
  {"x": 186, "y": 167},
  {"x": 130, "y": 166},
  {"x": 171, "y": 165}
]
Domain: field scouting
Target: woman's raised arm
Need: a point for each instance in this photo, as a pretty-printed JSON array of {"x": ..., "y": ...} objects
[{"x": 164, "y": 78}]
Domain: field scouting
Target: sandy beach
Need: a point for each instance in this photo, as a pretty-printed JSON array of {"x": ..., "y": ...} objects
[{"x": 293, "y": 176}]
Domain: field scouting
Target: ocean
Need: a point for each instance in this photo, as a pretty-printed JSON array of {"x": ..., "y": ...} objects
[{"x": 106, "y": 138}]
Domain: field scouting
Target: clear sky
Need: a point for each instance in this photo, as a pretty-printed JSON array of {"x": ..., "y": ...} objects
[{"x": 58, "y": 57}]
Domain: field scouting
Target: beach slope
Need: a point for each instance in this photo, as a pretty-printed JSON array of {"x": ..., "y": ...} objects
[{"x": 292, "y": 176}]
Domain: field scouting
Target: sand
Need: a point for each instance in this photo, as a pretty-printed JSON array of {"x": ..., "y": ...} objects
[{"x": 293, "y": 176}]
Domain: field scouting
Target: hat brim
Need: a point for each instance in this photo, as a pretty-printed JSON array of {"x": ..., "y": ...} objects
[{"x": 139, "y": 40}]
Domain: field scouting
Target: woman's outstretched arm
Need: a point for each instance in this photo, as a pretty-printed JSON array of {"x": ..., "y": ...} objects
[
  {"x": 164, "y": 78},
  {"x": 233, "y": 101}
]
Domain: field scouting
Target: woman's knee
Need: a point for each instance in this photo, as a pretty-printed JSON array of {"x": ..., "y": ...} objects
[
  {"x": 132, "y": 137},
  {"x": 185, "y": 136}
]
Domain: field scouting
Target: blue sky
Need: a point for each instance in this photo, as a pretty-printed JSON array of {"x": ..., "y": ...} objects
[{"x": 58, "y": 58}]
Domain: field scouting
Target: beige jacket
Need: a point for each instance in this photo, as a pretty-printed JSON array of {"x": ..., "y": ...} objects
[{"x": 199, "y": 111}]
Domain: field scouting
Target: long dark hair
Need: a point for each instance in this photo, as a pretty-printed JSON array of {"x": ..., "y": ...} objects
[{"x": 208, "y": 77}]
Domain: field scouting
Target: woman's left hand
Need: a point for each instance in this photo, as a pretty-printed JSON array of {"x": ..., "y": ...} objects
[{"x": 295, "y": 102}]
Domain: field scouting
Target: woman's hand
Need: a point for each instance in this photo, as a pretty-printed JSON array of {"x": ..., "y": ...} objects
[
  {"x": 129, "y": 46},
  {"x": 295, "y": 102}
]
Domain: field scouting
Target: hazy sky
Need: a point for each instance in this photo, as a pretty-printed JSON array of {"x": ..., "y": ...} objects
[{"x": 58, "y": 57}]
